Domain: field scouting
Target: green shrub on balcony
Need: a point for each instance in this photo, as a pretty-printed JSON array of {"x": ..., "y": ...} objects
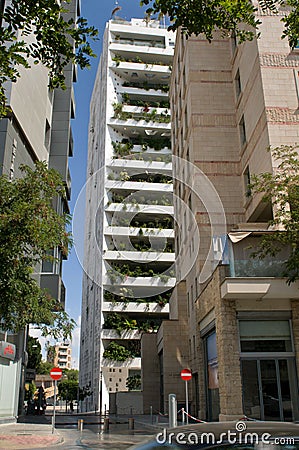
[
  {"x": 115, "y": 321},
  {"x": 122, "y": 149},
  {"x": 147, "y": 86},
  {"x": 118, "y": 59},
  {"x": 127, "y": 296},
  {"x": 117, "y": 352}
]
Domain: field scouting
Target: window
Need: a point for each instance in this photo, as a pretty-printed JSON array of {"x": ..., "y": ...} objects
[
  {"x": 238, "y": 86},
  {"x": 247, "y": 182},
  {"x": 234, "y": 42},
  {"x": 48, "y": 265},
  {"x": 196, "y": 287},
  {"x": 47, "y": 135},
  {"x": 265, "y": 336},
  {"x": 211, "y": 365},
  {"x": 242, "y": 131}
]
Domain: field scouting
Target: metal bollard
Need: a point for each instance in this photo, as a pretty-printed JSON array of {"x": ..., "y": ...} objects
[
  {"x": 106, "y": 423},
  {"x": 80, "y": 424},
  {"x": 131, "y": 423}
]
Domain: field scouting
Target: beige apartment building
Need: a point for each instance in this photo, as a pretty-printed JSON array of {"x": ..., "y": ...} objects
[
  {"x": 60, "y": 355},
  {"x": 235, "y": 320}
]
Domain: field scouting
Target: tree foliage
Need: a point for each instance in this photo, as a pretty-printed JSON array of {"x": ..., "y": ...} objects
[
  {"x": 44, "y": 368},
  {"x": 281, "y": 188},
  {"x": 197, "y": 16},
  {"x": 29, "y": 227},
  {"x": 71, "y": 374},
  {"x": 55, "y": 40},
  {"x": 68, "y": 389},
  {"x": 34, "y": 351}
]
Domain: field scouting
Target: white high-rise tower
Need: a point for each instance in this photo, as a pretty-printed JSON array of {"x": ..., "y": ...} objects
[{"x": 129, "y": 237}]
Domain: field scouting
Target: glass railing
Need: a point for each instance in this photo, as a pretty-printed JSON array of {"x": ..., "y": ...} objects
[
  {"x": 139, "y": 43},
  {"x": 256, "y": 268}
]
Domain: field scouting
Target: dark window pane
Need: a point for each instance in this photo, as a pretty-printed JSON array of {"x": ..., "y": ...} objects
[
  {"x": 251, "y": 401},
  {"x": 270, "y": 390}
]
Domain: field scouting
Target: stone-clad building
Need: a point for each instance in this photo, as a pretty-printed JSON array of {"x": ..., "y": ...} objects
[{"x": 236, "y": 318}]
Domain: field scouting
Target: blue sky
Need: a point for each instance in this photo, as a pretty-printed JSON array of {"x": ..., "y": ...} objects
[{"x": 97, "y": 12}]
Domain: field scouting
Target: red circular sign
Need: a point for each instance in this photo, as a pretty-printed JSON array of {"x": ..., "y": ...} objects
[
  {"x": 186, "y": 374},
  {"x": 56, "y": 373}
]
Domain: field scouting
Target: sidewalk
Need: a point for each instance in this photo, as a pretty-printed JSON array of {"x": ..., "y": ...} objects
[
  {"x": 27, "y": 436},
  {"x": 36, "y": 432}
]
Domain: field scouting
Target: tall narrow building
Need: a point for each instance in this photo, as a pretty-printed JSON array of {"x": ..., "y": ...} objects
[{"x": 129, "y": 237}]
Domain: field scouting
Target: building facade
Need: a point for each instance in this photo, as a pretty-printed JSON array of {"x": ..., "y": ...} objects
[
  {"x": 238, "y": 318},
  {"x": 60, "y": 355},
  {"x": 37, "y": 128},
  {"x": 129, "y": 238}
]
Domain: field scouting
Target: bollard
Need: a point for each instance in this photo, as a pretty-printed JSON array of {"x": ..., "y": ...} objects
[
  {"x": 106, "y": 423},
  {"x": 80, "y": 424},
  {"x": 131, "y": 423},
  {"x": 172, "y": 410}
]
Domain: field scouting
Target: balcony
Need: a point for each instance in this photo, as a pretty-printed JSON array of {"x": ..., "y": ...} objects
[
  {"x": 147, "y": 285},
  {"x": 136, "y": 308},
  {"x": 131, "y": 363},
  {"x": 125, "y": 334},
  {"x": 138, "y": 186},
  {"x": 138, "y": 256},
  {"x": 138, "y": 42},
  {"x": 147, "y": 54},
  {"x": 253, "y": 278},
  {"x": 134, "y": 166},
  {"x": 148, "y": 209},
  {"x": 134, "y": 231}
]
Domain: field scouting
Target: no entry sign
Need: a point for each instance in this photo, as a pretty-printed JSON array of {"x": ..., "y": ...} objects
[
  {"x": 56, "y": 373},
  {"x": 186, "y": 374}
]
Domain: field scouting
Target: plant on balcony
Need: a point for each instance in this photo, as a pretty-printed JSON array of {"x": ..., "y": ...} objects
[
  {"x": 162, "y": 300},
  {"x": 111, "y": 176},
  {"x": 164, "y": 278},
  {"x": 126, "y": 98},
  {"x": 147, "y": 86},
  {"x": 124, "y": 176},
  {"x": 114, "y": 276},
  {"x": 122, "y": 149},
  {"x": 115, "y": 321},
  {"x": 145, "y": 104},
  {"x": 133, "y": 382},
  {"x": 117, "y": 352},
  {"x": 118, "y": 59},
  {"x": 118, "y": 107},
  {"x": 127, "y": 296}
]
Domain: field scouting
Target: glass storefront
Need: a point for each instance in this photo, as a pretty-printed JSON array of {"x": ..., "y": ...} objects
[{"x": 269, "y": 380}]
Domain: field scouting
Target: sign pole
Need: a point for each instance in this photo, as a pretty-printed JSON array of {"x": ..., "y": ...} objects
[
  {"x": 54, "y": 407},
  {"x": 187, "y": 406},
  {"x": 186, "y": 376},
  {"x": 55, "y": 374}
]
